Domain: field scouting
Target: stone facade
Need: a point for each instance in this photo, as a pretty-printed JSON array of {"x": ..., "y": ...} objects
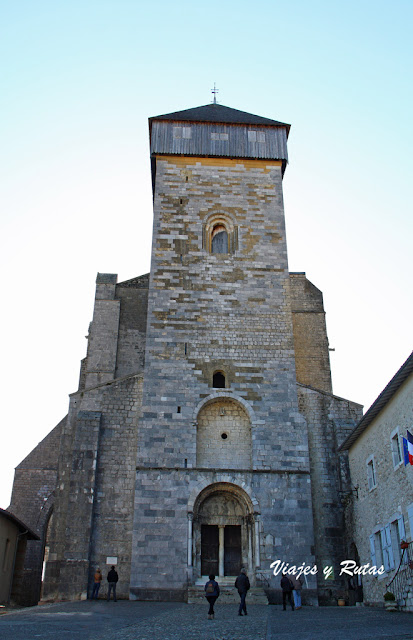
[
  {"x": 380, "y": 513},
  {"x": 204, "y": 432},
  {"x": 32, "y": 501}
]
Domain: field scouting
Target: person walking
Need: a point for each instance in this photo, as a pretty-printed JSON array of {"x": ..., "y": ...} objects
[
  {"x": 297, "y": 586},
  {"x": 287, "y": 587},
  {"x": 242, "y": 584},
  {"x": 211, "y": 593},
  {"x": 96, "y": 584},
  {"x": 112, "y": 580}
]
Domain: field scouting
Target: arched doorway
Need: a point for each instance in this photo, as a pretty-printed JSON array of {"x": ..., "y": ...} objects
[
  {"x": 224, "y": 531},
  {"x": 46, "y": 549}
]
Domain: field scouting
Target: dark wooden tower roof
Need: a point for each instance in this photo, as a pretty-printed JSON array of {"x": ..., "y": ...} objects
[
  {"x": 214, "y": 130},
  {"x": 218, "y": 113}
]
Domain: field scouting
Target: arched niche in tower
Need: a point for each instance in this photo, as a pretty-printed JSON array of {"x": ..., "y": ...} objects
[{"x": 223, "y": 435}]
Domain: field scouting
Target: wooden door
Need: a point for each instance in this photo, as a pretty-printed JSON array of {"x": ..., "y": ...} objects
[
  {"x": 232, "y": 550},
  {"x": 209, "y": 549}
]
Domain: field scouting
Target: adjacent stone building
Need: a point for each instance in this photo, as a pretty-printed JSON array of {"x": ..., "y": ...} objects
[
  {"x": 380, "y": 509},
  {"x": 14, "y": 535},
  {"x": 203, "y": 436}
]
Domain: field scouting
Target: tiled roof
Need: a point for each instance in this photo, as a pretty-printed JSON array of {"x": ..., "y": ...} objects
[
  {"x": 19, "y": 524},
  {"x": 219, "y": 113},
  {"x": 384, "y": 398}
]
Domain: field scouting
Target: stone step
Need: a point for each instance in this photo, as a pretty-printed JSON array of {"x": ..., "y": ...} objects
[
  {"x": 225, "y": 581},
  {"x": 228, "y": 595}
]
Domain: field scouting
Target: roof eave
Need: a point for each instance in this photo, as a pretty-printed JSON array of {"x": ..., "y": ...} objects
[{"x": 380, "y": 403}]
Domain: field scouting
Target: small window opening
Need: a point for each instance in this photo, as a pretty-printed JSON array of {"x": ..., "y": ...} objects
[
  {"x": 224, "y": 436},
  {"x": 186, "y": 463},
  {"x": 180, "y": 200},
  {"x": 186, "y": 348},
  {"x": 218, "y": 380},
  {"x": 179, "y": 410},
  {"x": 395, "y": 448}
]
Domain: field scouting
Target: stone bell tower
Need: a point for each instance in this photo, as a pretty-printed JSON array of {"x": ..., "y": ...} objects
[
  {"x": 203, "y": 435},
  {"x": 223, "y": 457}
]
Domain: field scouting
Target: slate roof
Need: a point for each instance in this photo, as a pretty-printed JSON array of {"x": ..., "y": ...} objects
[
  {"x": 19, "y": 524},
  {"x": 384, "y": 398},
  {"x": 220, "y": 114}
]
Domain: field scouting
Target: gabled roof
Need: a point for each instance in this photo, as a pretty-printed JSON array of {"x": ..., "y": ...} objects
[
  {"x": 19, "y": 524},
  {"x": 220, "y": 114},
  {"x": 378, "y": 405}
]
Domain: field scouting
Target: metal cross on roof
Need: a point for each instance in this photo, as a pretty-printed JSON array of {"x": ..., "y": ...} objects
[{"x": 215, "y": 91}]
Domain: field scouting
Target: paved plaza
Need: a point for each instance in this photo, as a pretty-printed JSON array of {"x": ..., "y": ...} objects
[{"x": 126, "y": 620}]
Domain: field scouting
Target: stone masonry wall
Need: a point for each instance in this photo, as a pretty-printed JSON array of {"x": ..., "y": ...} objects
[
  {"x": 312, "y": 359},
  {"x": 68, "y": 562},
  {"x": 94, "y": 503},
  {"x": 133, "y": 296},
  {"x": 330, "y": 420},
  {"x": 161, "y": 524},
  {"x": 100, "y": 363},
  {"x": 215, "y": 311}
]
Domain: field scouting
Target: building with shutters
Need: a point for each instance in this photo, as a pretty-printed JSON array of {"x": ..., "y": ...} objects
[
  {"x": 203, "y": 435},
  {"x": 380, "y": 512}
]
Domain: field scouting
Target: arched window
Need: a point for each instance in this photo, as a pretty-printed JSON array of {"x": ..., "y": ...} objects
[
  {"x": 218, "y": 380},
  {"x": 220, "y": 236}
]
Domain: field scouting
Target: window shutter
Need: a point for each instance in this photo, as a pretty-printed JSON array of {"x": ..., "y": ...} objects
[
  {"x": 387, "y": 533},
  {"x": 384, "y": 549},
  {"x": 410, "y": 516},
  {"x": 402, "y": 535},
  {"x": 372, "y": 551}
]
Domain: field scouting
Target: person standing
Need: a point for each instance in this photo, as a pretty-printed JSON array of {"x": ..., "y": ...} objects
[
  {"x": 287, "y": 587},
  {"x": 211, "y": 593},
  {"x": 242, "y": 584},
  {"x": 112, "y": 580},
  {"x": 96, "y": 584},
  {"x": 297, "y": 586}
]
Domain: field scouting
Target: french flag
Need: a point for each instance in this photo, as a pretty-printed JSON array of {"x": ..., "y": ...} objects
[{"x": 410, "y": 446}]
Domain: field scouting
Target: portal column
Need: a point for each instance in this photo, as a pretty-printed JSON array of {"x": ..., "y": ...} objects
[
  {"x": 221, "y": 529},
  {"x": 257, "y": 541},
  {"x": 190, "y": 517},
  {"x": 249, "y": 531}
]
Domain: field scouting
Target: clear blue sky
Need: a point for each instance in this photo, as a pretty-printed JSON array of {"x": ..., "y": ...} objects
[{"x": 78, "y": 80}]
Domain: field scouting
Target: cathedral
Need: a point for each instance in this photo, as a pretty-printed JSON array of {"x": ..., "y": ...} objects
[{"x": 203, "y": 436}]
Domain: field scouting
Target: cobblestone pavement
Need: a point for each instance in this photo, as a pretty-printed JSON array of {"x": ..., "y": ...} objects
[
  {"x": 339, "y": 623},
  {"x": 125, "y": 620}
]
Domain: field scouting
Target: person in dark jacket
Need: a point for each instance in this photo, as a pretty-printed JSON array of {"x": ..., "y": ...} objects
[
  {"x": 112, "y": 580},
  {"x": 211, "y": 593},
  {"x": 242, "y": 584},
  {"x": 287, "y": 587}
]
